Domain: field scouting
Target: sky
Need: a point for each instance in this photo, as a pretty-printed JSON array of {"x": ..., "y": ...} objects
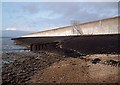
[{"x": 39, "y": 16}]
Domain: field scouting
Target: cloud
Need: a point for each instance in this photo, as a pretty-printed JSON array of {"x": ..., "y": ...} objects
[
  {"x": 83, "y": 10},
  {"x": 59, "y": 1},
  {"x": 10, "y": 28},
  {"x": 62, "y": 13},
  {"x": 45, "y": 15},
  {"x": 66, "y": 11},
  {"x": 31, "y": 8}
]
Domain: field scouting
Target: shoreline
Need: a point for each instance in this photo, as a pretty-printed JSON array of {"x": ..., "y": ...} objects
[
  {"x": 25, "y": 65},
  {"x": 28, "y": 64}
]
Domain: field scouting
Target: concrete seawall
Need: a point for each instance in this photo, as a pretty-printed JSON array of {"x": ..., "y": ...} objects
[
  {"x": 104, "y": 26},
  {"x": 84, "y": 44},
  {"x": 98, "y": 37},
  {"x": 94, "y": 44}
]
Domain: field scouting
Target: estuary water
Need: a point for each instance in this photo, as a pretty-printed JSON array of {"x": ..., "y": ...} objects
[{"x": 9, "y": 46}]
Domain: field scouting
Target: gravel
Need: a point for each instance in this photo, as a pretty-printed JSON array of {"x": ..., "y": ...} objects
[{"x": 24, "y": 65}]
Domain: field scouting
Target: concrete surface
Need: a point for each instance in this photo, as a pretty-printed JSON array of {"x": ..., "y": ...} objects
[{"x": 104, "y": 26}]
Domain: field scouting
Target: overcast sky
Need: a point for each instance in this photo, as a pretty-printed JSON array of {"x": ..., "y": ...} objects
[{"x": 38, "y": 16}]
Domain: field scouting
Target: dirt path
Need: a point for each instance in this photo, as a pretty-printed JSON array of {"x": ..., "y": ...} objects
[{"x": 74, "y": 70}]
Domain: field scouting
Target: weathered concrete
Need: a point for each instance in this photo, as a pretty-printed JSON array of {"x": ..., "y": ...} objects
[
  {"x": 98, "y": 37},
  {"x": 94, "y": 44},
  {"x": 107, "y": 43},
  {"x": 105, "y": 26}
]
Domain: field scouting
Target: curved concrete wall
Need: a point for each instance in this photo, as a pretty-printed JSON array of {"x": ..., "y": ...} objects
[{"x": 105, "y": 26}]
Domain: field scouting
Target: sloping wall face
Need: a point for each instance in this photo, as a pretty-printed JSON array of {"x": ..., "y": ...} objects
[
  {"x": 105, "y": 26},
  {"x": 55, "y": 32}
]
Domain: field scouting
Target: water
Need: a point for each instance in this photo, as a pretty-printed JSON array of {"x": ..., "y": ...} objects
[{"x": 9, "y": 46}]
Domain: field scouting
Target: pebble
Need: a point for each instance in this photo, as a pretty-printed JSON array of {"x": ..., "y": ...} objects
[{"x": 25, "y": 65}]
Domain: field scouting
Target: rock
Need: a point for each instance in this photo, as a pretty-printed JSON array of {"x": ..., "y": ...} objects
[
  {"x": 96, "y": 60},
  {"x": 25, "y": 65},
  {"x": 74, "y": 64},
  {"x": 54, "y": 81}
]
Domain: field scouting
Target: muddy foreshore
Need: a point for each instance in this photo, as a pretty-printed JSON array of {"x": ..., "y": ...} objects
[{"x": 24, "y": 67}]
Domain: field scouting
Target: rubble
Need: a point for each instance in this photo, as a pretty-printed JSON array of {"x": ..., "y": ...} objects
[{"x": 26, "y": 65}]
